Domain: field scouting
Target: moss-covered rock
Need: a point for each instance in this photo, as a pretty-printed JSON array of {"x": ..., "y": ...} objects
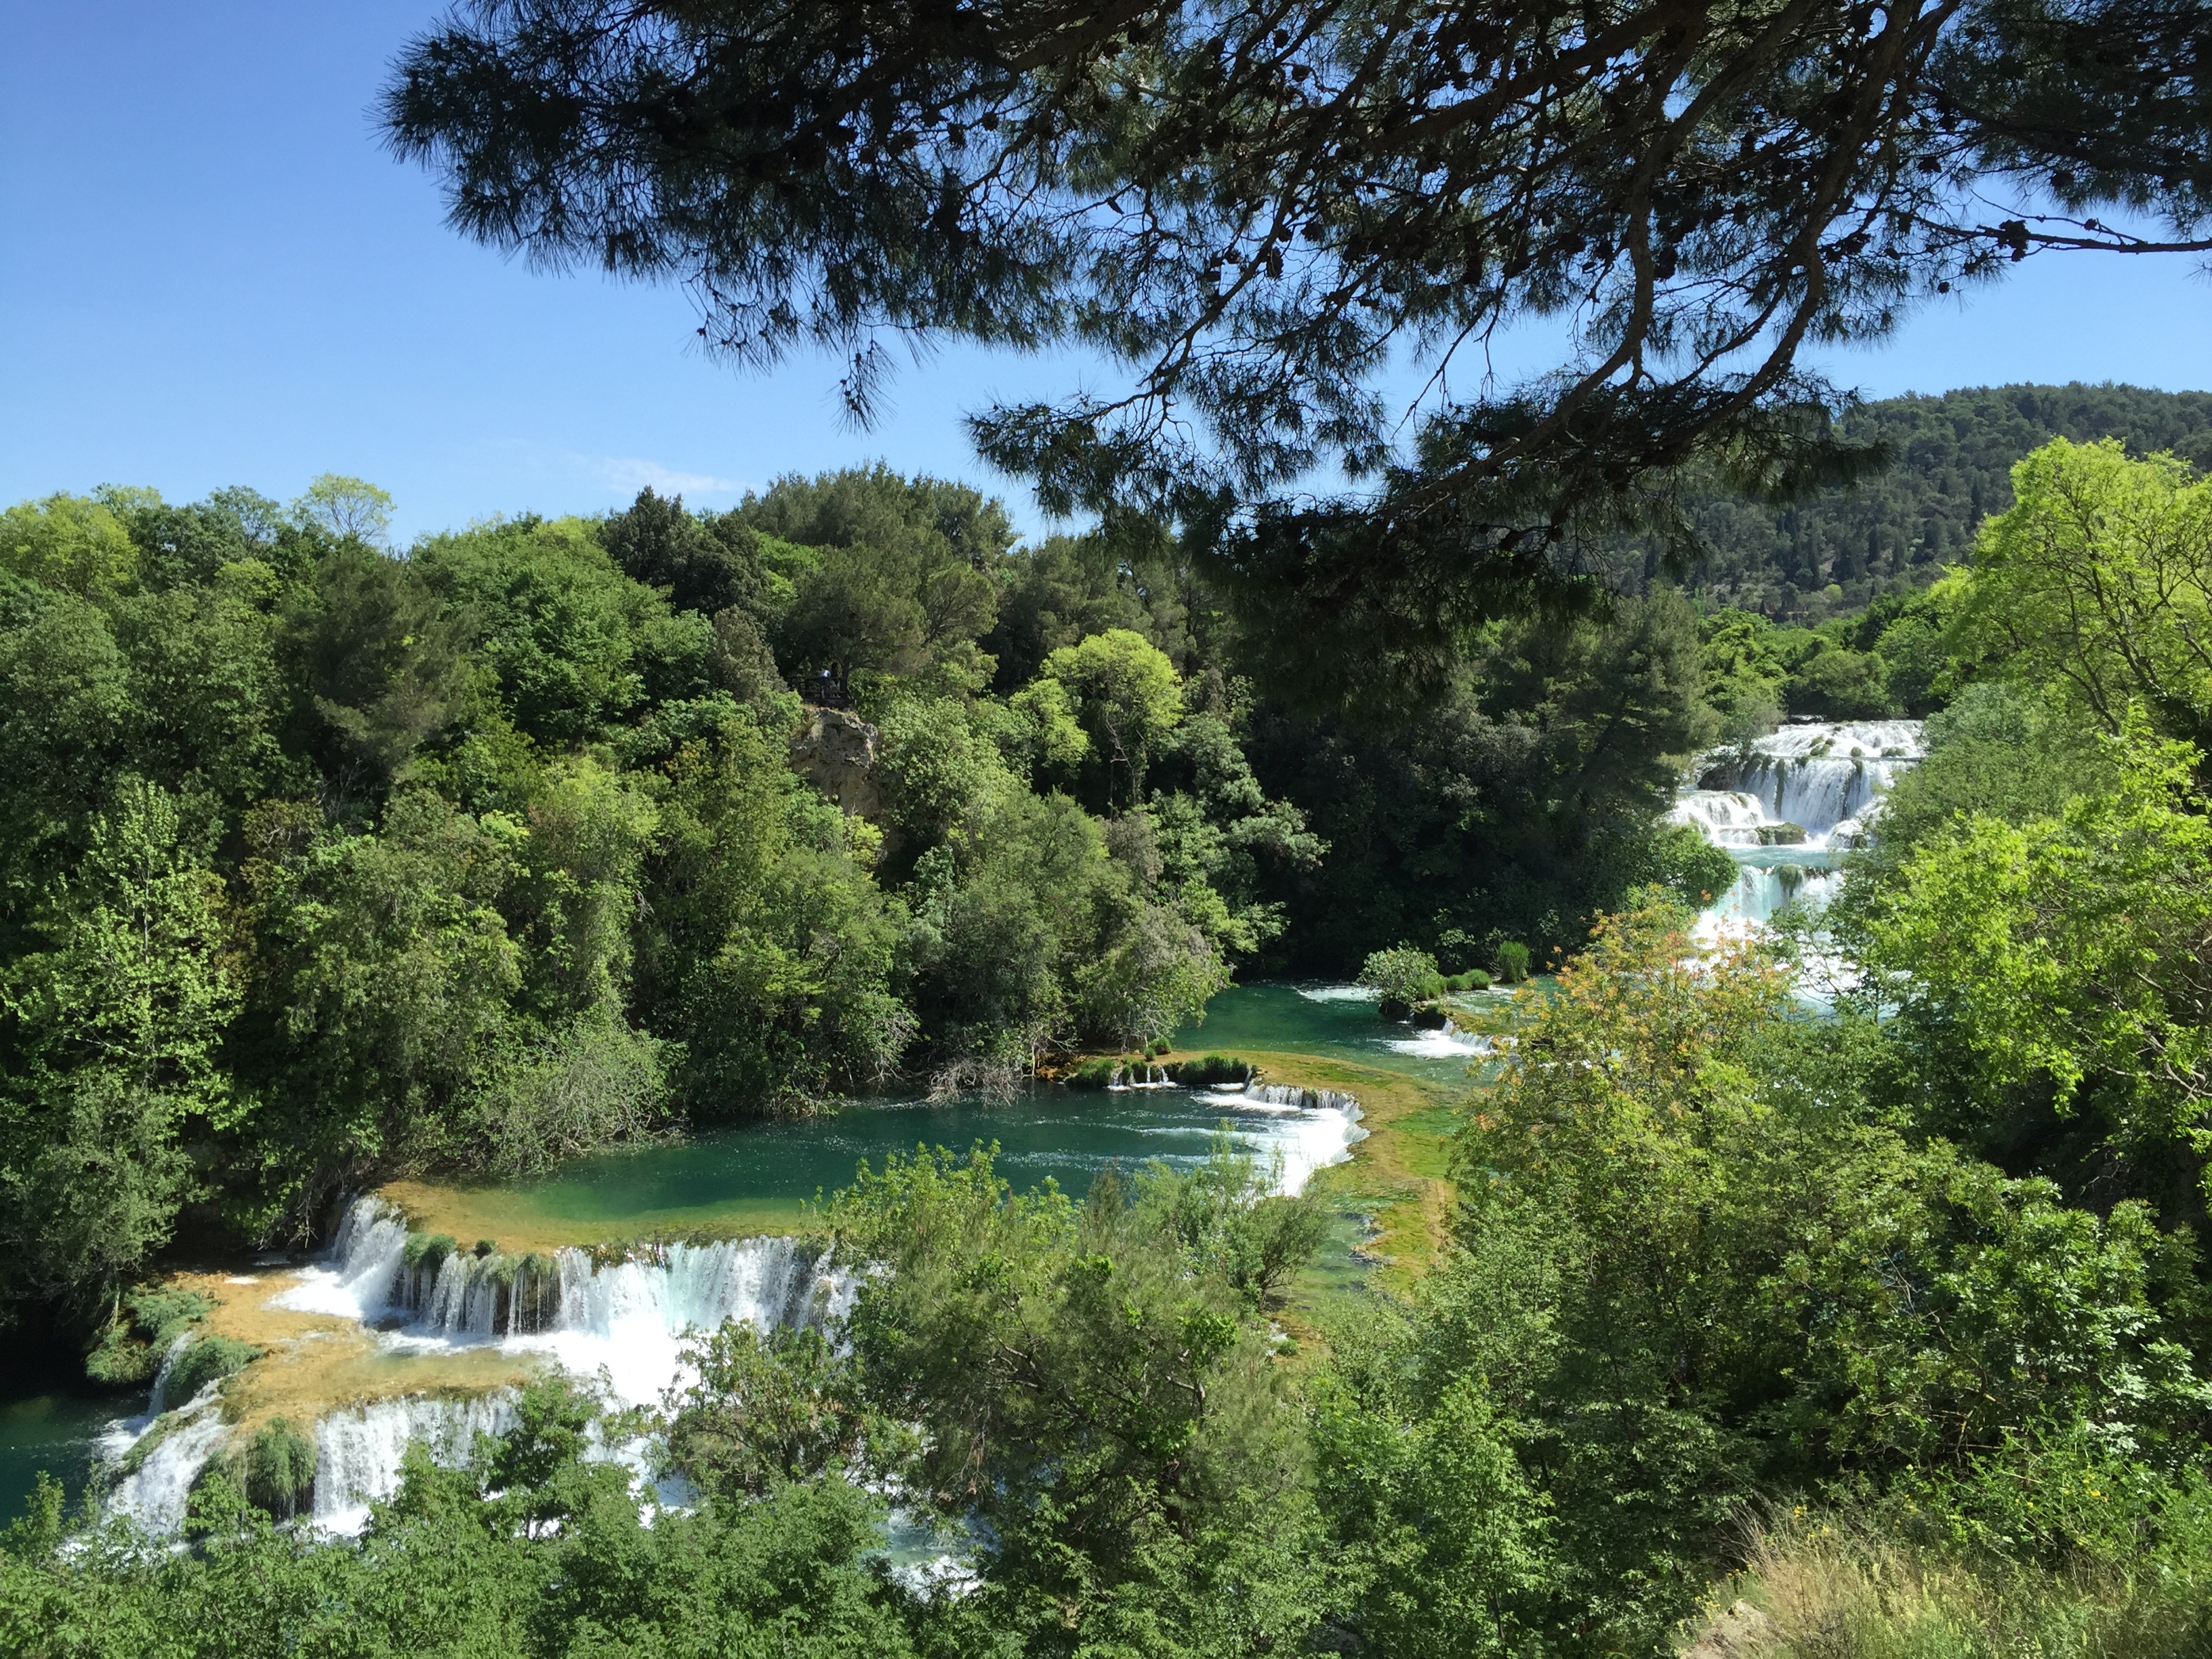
[
  {"x": 147, "y": 1321},
  {"x": 207, "y": 1359}
]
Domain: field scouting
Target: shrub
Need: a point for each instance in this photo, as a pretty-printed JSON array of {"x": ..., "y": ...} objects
[
  {"x": 1403, "y": 974},
  {"x": 426, "y": 1252},
  {"x": 1512, "y": 963},
  {"x": 1212, "y": 1070},
  {"x": 277, "y": 1469},
  {"x": 1094, "y": 1074},
  {"x": 208, "y": 1359},
  {"x": 130, "y": 1350},
  {"x": 1473, "y": 980}
]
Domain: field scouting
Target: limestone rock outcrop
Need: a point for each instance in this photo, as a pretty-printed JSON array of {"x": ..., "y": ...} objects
[{"x": 836, "y": 751}]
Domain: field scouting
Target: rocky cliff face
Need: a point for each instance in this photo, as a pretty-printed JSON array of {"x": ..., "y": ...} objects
[{"x": 836, "y": 751}]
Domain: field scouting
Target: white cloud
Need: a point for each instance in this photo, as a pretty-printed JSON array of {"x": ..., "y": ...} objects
[{"x": 627, "y": 475}]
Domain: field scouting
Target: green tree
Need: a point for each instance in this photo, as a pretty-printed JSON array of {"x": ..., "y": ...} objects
[
  {"x": 1104, "y": 1409},
  {"x": 379, "y": 660},
  {"x": 68, "y": 543},
  {"x": 67, "y": 687},
  {"x": 351, "y": 509},
  {"x": 381, "y": 989},
  {"x": 2097, "y": 582},
  {"x": 112, "y": 1031},
  {"x": 2069, "y": 950},
  {"x": 1248, "y": 211},
  {"x": 768, "y": 953},
  {"x": 1126, "y": 696},
  {"x": 705, "y": 566},
  {"x": 576, "y": 647},
  {"x": 906, "y": 574}
]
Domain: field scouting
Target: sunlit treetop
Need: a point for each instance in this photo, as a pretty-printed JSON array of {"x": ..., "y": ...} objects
[{"x": 1255, "y": 208}]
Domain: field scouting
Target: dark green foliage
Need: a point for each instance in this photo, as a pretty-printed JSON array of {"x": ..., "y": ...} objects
[
  {"x": 1249, "y": 210},
  {"x": 378, "y": 659},
  {"x": 1094, "y": 1074},
  {"x": 1951, "y": 467},
  {"x": 710, "y": 567},
  {"x": 1211, "y": 1069},
  {"x": 768, "y": 1410},
  {"x": 903, "y": 575},
  {"x": 1521, "y": 806}
]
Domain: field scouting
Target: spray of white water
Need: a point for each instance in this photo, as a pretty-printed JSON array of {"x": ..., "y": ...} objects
[
  {"x": 1301, "y": 1129},
  {"x": 624, "y": 1323},
  {"x": 153, "y": 1494},
  {"x": 359, "y": 1452},
  {"x": 1826, "y": 777}
]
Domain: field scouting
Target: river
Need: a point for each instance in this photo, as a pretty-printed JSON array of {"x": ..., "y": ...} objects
[{"x": 438, "y": 1369}]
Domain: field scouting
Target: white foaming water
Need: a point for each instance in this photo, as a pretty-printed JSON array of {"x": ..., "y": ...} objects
[
  {"x": 1759, "y": 891},
  {"x": 632, "y": 1321},
  {"x": 363, "y": 1270},
  {"x": 626, "y": 1322},
  {"x": 1340, "y": 994},
  {"x": 359, "y": 1452},
  {"x": 1825, "y": 776},
  {"x": 156, "y": 1493},
  {"x": 1442, "y": 1043},
  {"x": 1727, "y": 817},
  {"x": 1304, "y": 1129}
]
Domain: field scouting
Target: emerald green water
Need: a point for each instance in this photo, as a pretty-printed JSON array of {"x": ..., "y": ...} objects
[
  {"x": 53, "y": 1433},
  {"x": 759, "y": 1174},
  {"x": 766, "y": 1171},
  {"x": 1334, "y": 1021}
]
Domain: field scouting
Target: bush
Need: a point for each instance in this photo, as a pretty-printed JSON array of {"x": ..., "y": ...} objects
[
  {"x": 1512, "y": 963},
  {"x": 1403, "y": 974},
  {"x": 1212, "y": 1070},
  {"x": 208, "y": 1359},
  {"x": 1473, "y": 980},
  {"x": 277, "y": 1469},
  {"x": 1094, "y": 1074},
  {"x": 130, "y": 1350}
]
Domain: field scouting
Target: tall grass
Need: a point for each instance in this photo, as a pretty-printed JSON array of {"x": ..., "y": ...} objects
[{"x": 1842, "y": 1589}]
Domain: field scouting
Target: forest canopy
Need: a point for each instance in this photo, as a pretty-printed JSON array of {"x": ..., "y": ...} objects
[{"x": 321, "y": 861}]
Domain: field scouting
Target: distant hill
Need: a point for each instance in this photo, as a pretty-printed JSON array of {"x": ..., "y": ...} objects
[{"x": 1953, "y": 459}]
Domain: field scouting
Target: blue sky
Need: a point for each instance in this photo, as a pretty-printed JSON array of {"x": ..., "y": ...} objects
[{"x": 211, "y": 274}]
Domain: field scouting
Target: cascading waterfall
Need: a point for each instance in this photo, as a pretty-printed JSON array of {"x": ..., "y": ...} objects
[
  {"x": 1821, "y": 776},
  {"x": 1787, "y": 807},
  {"x": 157, "y": 1482},
  {"x": 1323, "y": 1125},
  {"x": 359, "y": 1452},
  {"x": 626, "y": 1322}
]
